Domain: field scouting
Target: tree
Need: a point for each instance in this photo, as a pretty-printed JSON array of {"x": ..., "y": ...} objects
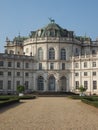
[
  {"x": 20, "y": 88},
  {"x": 82, "y": 90}
]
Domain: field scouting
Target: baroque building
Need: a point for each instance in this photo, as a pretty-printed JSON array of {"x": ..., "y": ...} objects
[{"x": 50, "y": 59}]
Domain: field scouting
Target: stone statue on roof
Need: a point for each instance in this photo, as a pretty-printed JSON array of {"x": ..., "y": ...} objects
[{"x": 52, "y": 20}]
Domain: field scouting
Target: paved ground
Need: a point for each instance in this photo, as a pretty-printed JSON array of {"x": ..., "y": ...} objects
[{"x": 54, "y": 113}]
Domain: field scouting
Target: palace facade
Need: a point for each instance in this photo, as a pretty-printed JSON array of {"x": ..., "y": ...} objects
[{"x": 50, "y": 59}]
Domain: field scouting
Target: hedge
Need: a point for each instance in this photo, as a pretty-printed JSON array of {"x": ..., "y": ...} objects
[
  {"x": 90, "y": 102},
  {"x": 8, "y": 102}
]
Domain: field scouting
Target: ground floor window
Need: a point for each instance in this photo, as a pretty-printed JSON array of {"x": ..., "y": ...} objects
[
  {"x": 63, "y": 83},
  {"x": 40, "y": 83},
  {"x": 9, "y": 85},
  {"x": 26, "y": 85},
  {"x": 94, "y": 84},
  {"x": 1, "y": 84},
  {"x": 17, "y": 83},
  {"x": 77, "y": 84},
  {"x": 51, "y": 83},
  {"x": 86, "y": 84}
]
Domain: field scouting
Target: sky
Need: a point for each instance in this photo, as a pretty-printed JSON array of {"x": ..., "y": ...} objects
[{"x": 23, "y": 16}]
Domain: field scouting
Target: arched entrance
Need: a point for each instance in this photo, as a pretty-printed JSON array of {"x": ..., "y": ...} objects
[
  {"x": 40, "y": 83},
  {"x": 51, "y": 83},
  {"x": 63, "y": 83}
]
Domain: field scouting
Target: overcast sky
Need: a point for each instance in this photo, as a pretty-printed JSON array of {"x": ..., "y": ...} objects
[{"x": 23, "y": 16}]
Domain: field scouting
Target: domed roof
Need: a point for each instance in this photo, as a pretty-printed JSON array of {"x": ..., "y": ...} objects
[{"x": 51, "y": 30}]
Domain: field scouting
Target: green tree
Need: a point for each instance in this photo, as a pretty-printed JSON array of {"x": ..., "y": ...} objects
[
  {"x": 20, "y": 88},
  {"x": 82, "y": 90}
]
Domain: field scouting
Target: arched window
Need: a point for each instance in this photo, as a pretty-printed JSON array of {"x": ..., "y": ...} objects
[
  {"x": 40, "y": 54},
  {"x": 63, "y": 54},
  {"x": 51, "y": 53},
  {"x": 40, "y": 83}
]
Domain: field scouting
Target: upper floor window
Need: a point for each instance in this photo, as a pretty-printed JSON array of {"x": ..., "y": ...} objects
[
  {"x": 63, "y": 54},
  {"x": 77, "y": 51},
  {"x": 9, "y": 73},
  {"x": 77, "y": 74},
  {"x": 27, "y": 65},
  {"x": 1, "y": 63},
  {"x": 40, "y": 66},
  {"x": 18, "y": 64},
  {"x": 26, "y": 74},
  {"x": 18, "y": 73},
  {"x": 93, "y": 64},
  {"x": 94, "y": 73},
  {"x": 1, "y": 73},
  {"x": 93, "y": 51},
  {"x": 85, "y": 64},
  {"x": 51, "y": 66},
  {"x": 40, "y": 54},
  {"x": 85, "y": 73},
  {"x": 9, "y": 64},
  {"x": 63, "y": 66},
  {"x": 76, "y": 65},
  {"x": 51, "y": 53}
]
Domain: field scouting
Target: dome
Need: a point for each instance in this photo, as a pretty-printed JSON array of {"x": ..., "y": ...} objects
[{"x": 52, "y": 30}]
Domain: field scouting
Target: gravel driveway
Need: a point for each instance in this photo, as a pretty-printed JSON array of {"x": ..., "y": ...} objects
[{"x": 49, "y": 113}]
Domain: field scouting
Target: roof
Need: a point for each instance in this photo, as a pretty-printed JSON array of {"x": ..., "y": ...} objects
[{"x": 52, "y": 30}]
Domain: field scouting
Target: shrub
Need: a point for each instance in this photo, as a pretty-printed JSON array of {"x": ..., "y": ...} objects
[{"x": 20, "y": 88}]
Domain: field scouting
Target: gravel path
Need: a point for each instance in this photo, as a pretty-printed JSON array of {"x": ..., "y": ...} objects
[{"x": 54, "y": 113}]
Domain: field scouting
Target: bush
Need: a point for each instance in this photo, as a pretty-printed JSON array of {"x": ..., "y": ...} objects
[
  {"x": 88, "y": 101},
  {"x": 27, "y": 97},
  {"x": 8, "y": 102},
  {"x": 20, "y": 88}
]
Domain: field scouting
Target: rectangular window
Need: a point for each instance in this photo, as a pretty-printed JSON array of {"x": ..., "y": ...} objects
[
  {"x": 94, "y": 73},
  {"x": 51, "y": 66},
  {"x": 76, "y": 65},
  {"x": 94, "y": 84},
  {"x": 1, "y": 84},
  {"x": 85, "y": 73},
  {"x": 18, "y": 73},
  {"x": 9, "y": 64},
  {"x": 27, "y": 65},
  {"x": 63, "y": 66},
  {"x": 85, "y": 64},
  {"x": 9, "y": 85},
  {"x": 9, "y": 73},
  {"x": 26, "y": 85},
  {"x": 1, "y": 63},
  {"x": 93, "y": 64},
  {"x": 77, "y": 84},
  {"x": 76, "y": 74},
  {"x": 18, "y": 64},
  {"x": 40, "y": 66},
  {"x": 86, "y": 84},
  {"x": 93, "y": 51},
  {"x": 26, "y": 74},
  {"x": 17, "y": 83},
  {"x": 1, "y": 73}
]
